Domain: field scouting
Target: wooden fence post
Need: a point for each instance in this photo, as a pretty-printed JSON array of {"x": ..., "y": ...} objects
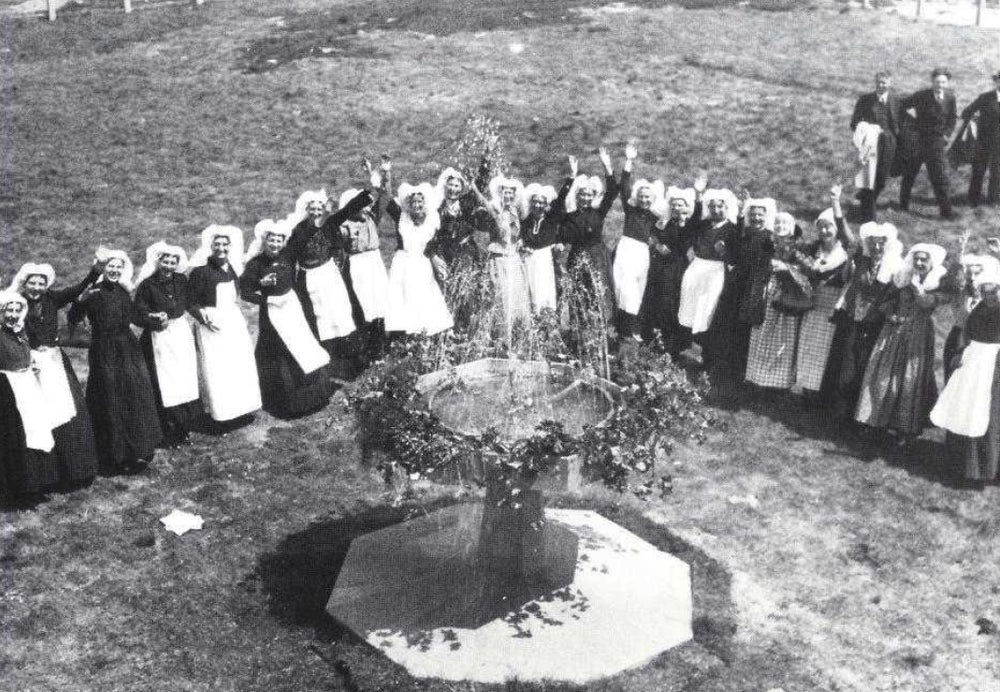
[
  {"x": 127, "y": 5},
  {"x": 920, "y": 8},
  {"x": 50, "y": 5},
  {"x": 979, "y": 12}
]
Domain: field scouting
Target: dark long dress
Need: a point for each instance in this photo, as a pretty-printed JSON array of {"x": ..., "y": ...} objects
[
  {"x": 120, "y": 395},
  {"x": 23, "y": 471},
  {"x": 169, "y": 295},
  {"x": 741, "y": 307},
  {"x": 465, "y": 223},
  {"x": 858, "y": 324},
  {"x": 979, "y": 457},
  {"x": 899, "y": 387},
  {"x": 583, "y": 231},
  {"x": 75, "y": 450},
  {"x": 662, "y": 298},
  {"x": 285, "y": 389}
]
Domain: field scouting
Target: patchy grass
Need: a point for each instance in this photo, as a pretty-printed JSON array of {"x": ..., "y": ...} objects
[{"x": 851, "y": 569}]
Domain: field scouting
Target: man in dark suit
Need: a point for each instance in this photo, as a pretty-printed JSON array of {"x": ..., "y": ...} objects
[
  {"x": 987, "y": 152},
  {"x": 936, "y": 114},
  {"x": 880, "y": 107}
]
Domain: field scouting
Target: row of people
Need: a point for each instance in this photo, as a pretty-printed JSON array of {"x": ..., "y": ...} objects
[
  {"x": 693, "y": 264},
  {"x": 898, "y": 134}
]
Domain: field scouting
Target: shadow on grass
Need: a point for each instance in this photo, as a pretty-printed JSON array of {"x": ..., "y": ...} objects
[
  {"x": 298, "y": 577},
  {"x": 925, "y": 458}
]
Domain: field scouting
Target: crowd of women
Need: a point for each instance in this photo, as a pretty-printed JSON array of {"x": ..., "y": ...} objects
[{"x": 843, "y": 317}]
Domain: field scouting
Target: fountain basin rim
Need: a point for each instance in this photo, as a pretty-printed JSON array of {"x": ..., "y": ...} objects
[{"x": 430, "y": 384}]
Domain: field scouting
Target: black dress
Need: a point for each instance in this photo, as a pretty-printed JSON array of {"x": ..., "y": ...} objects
[
  {"x": 23, "y": 471},
  {"x": 119, "y": 393},
  {"x": 75, "y": 451},
  {"x": 748, "y": 256},
  {"x": 662, "y": 298},
  {"x": 286, "y": 390},
  {"x": 583, "y": 231},
  {"x": 169, "y": 295}
]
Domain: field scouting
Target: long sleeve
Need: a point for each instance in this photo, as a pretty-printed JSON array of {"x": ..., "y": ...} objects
[
  {"x": 610, "y": 193},
  {"x": 859, "y": 113},
  {"x": 625, "y": 187},
  {"x": 143, "y": 302},
  {"x": 64, "y": 296},
  {"x": 332, "y": 223},
  {"x": 558, "y": 207},
  {"x": 394, "y": 211},
  {"x": 250, "y": 289},
  {"x": 972, "y": 108}
]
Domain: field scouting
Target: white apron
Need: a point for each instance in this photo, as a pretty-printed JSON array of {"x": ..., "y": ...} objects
[
  {"x": 34, "y": 411},
  {"x": 287, "y": 318},
  {"x": 629, "y": 273},
  {"x": 227, "y": 371},
  {"x": 541, "y": 271},
  {"x": 176, "y": 360},
  {"x": 700, "y": 290},
  {"x": 55, "y": 385},
  {"x": 964, "y": 406},
  {"x": 331, "y": 303},
  {"x": 416, "y": 304},
  {"x": 371, "y": 283}
]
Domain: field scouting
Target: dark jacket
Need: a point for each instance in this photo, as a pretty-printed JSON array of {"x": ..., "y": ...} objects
[
  {"x": 988, "y": 107},
  {"x": 869, "y": 109},
  {"x": 935, "y": 121}
]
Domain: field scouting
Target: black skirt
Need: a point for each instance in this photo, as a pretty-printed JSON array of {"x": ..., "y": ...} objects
[
  {"x": 23, "y": 471},
  {"x": 121, "y": 403},
  {"x": 75, "y": 450},
  {"x": 285, "y": 390},
  {"x": 175, "y": 421}
]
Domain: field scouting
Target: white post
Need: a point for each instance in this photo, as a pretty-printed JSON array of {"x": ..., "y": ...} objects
[
  {"x": 920, "y": 8},
  {"x": 50, "y": 5},
  {"x": 128, "y": 6},
  {"x": 979, "y": 13},
  {"x": 197, "y": 2}
]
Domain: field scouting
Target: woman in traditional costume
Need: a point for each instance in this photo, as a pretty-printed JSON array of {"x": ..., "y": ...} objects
[
  {"x": 291, "y": 363},
  {"x": 899, "y": 388},
  {"x": 964, "y": 300},
  {"x": 705, "y": 273},
  {"x": 319, "y": 251},
  {"x": 120, "y": 395},
  {"x": 668, "y": 249},
  {"x": 588, "y": 202},
  {"x": 72, "y": 429},
  {"x": 416, "y": 303},
  {"x": 168, "y": 343},
  {"x": 826, "y": 262},
  {"x": 772, "y": 351},
  {"x": 748, "y": 250},
  {"x": 368, "y": 279},
  {"x": 27, "y": 466},
  {"x": 861, "y": 311},
  {"x": 643, "y": 204},
  {"x": 462, "y": 216},
  {"x": 539, "y": 234},
  {"x": 227, "y": 373},
  {"x": 969, "y": 407},
  {"x": 506, "y": 204}
]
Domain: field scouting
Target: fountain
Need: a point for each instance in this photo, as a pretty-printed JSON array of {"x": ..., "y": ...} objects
[{"x": 507, "y": 588}]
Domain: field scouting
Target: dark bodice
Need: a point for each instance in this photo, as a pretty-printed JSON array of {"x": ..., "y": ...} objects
[
  {"x": 109, "y": 309},
  {"x": 158, "y": 294},
  {"x": 583, "y": 228},
  {"x": 202, "y": 282},
  {"x": 15, "y": 352},
  {"x": 42, "y": 321},
  {"x": 984, "y": 324},
  {"x": 703, "y": 235},
  {"x": 260, "y": 266}
]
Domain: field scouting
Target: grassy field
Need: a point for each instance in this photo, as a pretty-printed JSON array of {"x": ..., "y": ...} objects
[{"x": 851, "y": 569}]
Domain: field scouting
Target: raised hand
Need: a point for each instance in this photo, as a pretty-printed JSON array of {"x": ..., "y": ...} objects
[
  {"x": 963, "y": 242},
  {"x": 605, "y": 157},
  {"x": 386, "y": 164},
  {"x": 744, "y": 197},
  {"x": 836, "y": 191},
  {"x": 574, "y": 166},
  {"x": 631, "y": 152}
]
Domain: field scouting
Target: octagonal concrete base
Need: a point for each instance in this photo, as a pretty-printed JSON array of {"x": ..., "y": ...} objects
[{"x": 627, "y": 602}]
